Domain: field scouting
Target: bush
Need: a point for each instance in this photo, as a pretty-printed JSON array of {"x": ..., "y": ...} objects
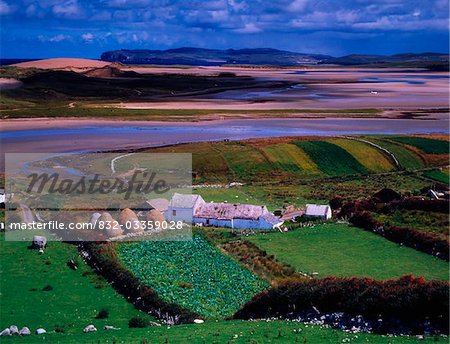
[
  {"x": 103, "y": 314},
  {"x": 48, "y": 287},
  {"x": 137, "y": 322}
]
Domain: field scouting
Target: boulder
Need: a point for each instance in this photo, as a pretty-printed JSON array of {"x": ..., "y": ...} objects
[
  {"x": 24, "y": 331},
  {"x": 40, "y": 331},
  {"x": 110, "y": 226},
  {"x": 129, "y": 220},
  {"x": 198, "y": 321},
  {"x": 109, "y": 328},
  {"x": 14, "y": 329},
  {"x": 5, "y": 332},
  {"x": 39, "y": 241},
  {"x": 89, "y": 328}
]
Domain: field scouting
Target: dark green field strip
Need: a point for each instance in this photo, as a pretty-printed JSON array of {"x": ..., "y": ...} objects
[
  {"x": 427, "y": 145},
  {"x": 438, "y": 176},
  {"x": 332, "y": 159},
  {"x": 407, "y": 159}
]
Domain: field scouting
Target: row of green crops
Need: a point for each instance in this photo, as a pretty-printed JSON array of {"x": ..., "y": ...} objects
[
  {"x": 193, "y": 274},
  {"x": 427, "y": 145},
  {"x": 331, "y": 159}
]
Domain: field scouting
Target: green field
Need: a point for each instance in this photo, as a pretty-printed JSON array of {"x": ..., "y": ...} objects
[
  {"x": 427, "y": 145},
  {"x": 76, "y": 297},
  {"x": 340, "y": 250},
  {"x": 435, "y": 223},
  {"x": 192, "y": 274},
  {"x": 370, "y": 157},
  {"x": 291, "y": 158},
  {"x": 438, "y": 175},
  {"x": 406, "y": 158},
  {"x": 332, "y": 159},
  {"x": 233, "y": 332}
]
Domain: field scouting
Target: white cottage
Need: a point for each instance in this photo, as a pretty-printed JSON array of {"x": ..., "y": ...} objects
[
  {"x": 182, "y": 207},
  {"x": 318, "y": 210},
  {"x": 236, "y": 216}
]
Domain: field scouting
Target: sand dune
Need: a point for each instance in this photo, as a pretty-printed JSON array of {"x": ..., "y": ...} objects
[{"x": 63, "y": 63}]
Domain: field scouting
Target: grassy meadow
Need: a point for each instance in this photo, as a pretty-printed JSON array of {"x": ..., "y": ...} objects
[
  {"x": 340, "y": 250},
  {"x": 42, "y": 291}
]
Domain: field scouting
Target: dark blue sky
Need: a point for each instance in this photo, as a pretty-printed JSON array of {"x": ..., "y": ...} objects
[{"x": 86, "y": 28}]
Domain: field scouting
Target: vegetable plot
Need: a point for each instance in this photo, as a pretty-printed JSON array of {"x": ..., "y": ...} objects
[{"x": 192, "y": 274}]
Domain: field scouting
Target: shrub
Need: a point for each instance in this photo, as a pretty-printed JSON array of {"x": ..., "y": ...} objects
[
  {"x": 138, "y": 322},
  {"x": 48, "y": 287},
  {"x": 60, "y": 329},
  {"x": 103, "y": 314}
]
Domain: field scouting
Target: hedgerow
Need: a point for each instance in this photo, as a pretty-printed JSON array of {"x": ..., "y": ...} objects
[{"x": 411, "y": 301}]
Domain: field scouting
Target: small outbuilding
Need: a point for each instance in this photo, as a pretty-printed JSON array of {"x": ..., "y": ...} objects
[
  {"x": 318, "y": 210},
  {"x": 182, "y": 207}
]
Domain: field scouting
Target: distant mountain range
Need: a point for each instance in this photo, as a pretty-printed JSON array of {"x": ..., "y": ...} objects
[{"x": 262, "y": 56}]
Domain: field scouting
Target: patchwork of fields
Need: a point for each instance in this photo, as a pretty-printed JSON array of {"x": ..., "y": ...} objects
[
  {"x": 192, "y": 274},
  {"x": 288, "y": 159}
]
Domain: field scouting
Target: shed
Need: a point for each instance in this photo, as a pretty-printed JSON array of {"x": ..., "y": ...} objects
[
  {"x": 318, "y": 210},
  {"x": 182, "y": 207}
]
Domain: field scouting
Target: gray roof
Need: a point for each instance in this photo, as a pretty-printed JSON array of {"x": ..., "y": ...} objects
[
  {"x": 160, "y": 204},
  {"x": 185, "y": 201},
  {"x": 316, "y": 210}
]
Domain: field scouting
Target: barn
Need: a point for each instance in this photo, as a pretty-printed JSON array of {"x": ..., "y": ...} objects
[
  {"x": 318, "y": 210},
  {"x": 182, "y": 207},
  {"x": 236, "y": 216}
]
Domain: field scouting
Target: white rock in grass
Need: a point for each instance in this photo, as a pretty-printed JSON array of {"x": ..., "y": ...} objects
[
  {"x": 13, "y": 329},
  {"x": 40, "y": 331},
  {"x": 107, "y": 327},
  {"x": 25, "y": 331},
  {"x": 5, "y": 332},
  {"x": 89, "y": 328},
  {"x": 198, "y": 321}
]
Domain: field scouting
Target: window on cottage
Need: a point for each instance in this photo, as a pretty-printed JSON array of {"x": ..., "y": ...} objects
[{"x": 174, "y": 212}]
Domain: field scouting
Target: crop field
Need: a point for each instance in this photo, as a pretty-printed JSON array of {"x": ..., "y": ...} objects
[
  {"x": 368, "y": 156},
  {"x": 340, "y": 250},
  {"x": 291, "y": 158},
  {"x": 427, "y": 145},
  {"x": 441, "y": 176},
  {"x": 406, "y": 158},
  {"x": 42, "y": 291},
  {"x": 332, "y": 159},
  {"x": 192, "y": 274}
]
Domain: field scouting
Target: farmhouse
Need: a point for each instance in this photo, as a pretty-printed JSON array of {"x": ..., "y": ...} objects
[
  {"x": 237, "y": 216},
  {"x": 317, "y": 210},
  {"x": 182, "y": 207}
]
